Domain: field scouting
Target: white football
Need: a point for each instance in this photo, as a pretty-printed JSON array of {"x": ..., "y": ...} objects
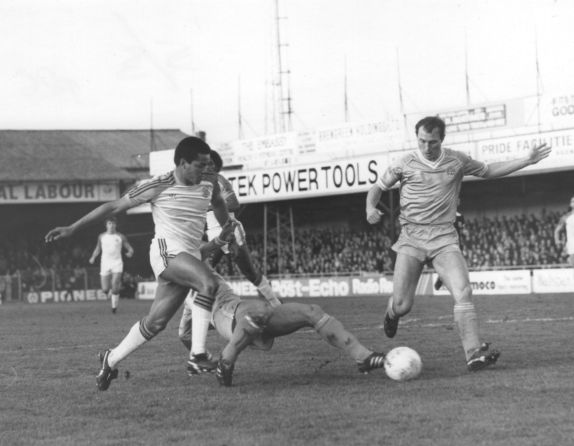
[{"x": 403, "y": 364}]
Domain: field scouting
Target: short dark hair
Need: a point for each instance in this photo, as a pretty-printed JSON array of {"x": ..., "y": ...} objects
[
  {"x": 217, "y": 161},
  {"x": 189, "y": 149},
  {"x": 430, "y": 123},
  {"x": 112, "y": 219}
]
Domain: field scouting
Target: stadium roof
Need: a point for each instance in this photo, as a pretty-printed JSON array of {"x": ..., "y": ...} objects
[{"x": 89, "y": 155}]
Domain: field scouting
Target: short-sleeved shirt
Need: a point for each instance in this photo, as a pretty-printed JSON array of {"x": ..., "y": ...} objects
[
  {"x": 178, "y": 210},
  {"x": 111, "y": 245},
  {"x": 429, "y": 190}
]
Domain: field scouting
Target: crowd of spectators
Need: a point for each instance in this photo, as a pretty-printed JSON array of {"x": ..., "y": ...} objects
[
  {"x": 500, "y": 241},
  {"x": 512, "y": 241},
  {"x": 61, "y": 265}
]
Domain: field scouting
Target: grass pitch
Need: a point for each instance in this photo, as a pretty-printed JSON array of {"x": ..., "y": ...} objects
[{"x": 303, "y": 392}]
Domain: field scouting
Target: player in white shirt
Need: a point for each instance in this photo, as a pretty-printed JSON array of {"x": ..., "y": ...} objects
[
  {"x": 566, "y": 225},
  {"x": 179, "y": 202},
  {"x": 430, "y": 179},
  {"x": 110, "y": 245}
]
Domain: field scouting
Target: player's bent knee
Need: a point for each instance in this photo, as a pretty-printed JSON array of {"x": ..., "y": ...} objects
[
  {"x": 402, "y": 307},
  {"x": 462, "y": 295},
  {"x": 257, "y": 316},
  {"x": 209, "y": 286},
  {"x": 151, "y": 328}
]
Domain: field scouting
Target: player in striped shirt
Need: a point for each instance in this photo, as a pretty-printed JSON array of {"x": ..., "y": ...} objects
[
  {"x": 179, "y": 202},
  {"x": 430, "y": 179}
]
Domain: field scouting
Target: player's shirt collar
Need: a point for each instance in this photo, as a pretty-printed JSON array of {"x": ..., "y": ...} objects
[{"x": 432, "y": 164}]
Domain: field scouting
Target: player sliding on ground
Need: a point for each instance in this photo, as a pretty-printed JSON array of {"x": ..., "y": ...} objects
[{"x": 256, "y": 323}]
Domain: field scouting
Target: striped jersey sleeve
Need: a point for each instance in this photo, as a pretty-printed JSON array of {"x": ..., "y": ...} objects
[{"x": 147, "y": 191}]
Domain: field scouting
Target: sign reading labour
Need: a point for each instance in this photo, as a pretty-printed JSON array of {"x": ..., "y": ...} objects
[
  {"x": 304, "y": 181},
  {"x": 57, "y": 192}
]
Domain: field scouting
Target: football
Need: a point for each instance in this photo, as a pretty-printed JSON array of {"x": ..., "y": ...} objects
[{"x": 403, "y": 364}]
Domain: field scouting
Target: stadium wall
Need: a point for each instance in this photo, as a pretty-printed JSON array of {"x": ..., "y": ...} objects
[{"x": 496, "y": 282}]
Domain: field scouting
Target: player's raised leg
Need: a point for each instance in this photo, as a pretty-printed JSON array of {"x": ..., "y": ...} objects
[
  {"x": 168, "y": 299},
  {"x": 193, "y": 273},
  {"x": 405, "y": 279},
  {"x": 293, "y": 316},
  {"x": 246, "y": 266},
  {"x": 452, "y": 266}
]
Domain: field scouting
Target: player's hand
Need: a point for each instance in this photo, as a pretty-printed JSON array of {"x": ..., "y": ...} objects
[
  {"x": 58, "y": 233},
  {"x": 129, "y": 254},
  {"x": 539, "y": 152},
  {"x": 227, "y": 230},
  {"x": 374, "y": 215},
  {"x": 212, "y": 177},
  {"x": 91, "y": 261}
]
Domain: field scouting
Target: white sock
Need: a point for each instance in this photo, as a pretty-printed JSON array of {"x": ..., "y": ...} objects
[
  {"x": 265, "y": 289},
  {"x": 467, "y": 324},
  {"x": 133, "y": 340},
  {"x": 115, "y": 300},
  {"x": 200, "y": 319}
]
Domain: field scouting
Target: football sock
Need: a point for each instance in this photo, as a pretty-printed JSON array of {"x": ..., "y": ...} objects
[
  {"x": 200, "y": 320},
  {"x": 115, "y": 300},
  {"x": 332, "y": 331},
  {"x": 184, "y": 330},
  {"x": 265, "y": 289},
  {"x": 467, "y": 323},
  {"x": 133, "y": 340}
]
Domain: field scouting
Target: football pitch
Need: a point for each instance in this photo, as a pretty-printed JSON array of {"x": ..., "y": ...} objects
[{"x": 302, "y": 392}]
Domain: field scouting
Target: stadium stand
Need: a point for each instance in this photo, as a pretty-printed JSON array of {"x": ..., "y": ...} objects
[
  {"x": 50, "y": 178},
  {"x": 499, "y": 241}
]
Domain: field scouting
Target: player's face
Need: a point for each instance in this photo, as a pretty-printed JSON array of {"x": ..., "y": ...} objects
[
  {"x": 429, "y": 143},
  {"x": 192, "y": 171},
  {"x": 111, "y": 226},
  {"x": 210, "y": 166}
]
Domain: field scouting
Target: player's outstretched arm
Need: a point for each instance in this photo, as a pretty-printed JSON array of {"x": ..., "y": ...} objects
[
  {"x": 501, "y": 168},
  {"x": 98, "y": 214}
]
